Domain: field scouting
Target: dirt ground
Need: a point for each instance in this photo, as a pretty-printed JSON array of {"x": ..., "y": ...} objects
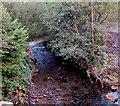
[{"x": 62, "y": 86}]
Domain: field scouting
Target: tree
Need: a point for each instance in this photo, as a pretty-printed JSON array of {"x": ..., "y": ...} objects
[
  {"x": 71, "y": 23},
  {"x": 30, "y": 16},
  {"x": 15, "y": 67}
]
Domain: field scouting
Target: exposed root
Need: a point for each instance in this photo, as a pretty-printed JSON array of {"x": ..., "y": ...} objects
[
  {"x": 88, "y": 74},
  {"x": 96, "y": 76}
]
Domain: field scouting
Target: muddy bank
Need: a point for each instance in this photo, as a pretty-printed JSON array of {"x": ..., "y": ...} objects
[{"x": 63, "y": 86}]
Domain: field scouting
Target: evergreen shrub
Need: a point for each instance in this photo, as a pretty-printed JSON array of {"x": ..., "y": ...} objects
[{"x": 15, "y": 68}]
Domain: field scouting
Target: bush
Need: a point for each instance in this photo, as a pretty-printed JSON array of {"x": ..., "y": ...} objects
[
  {"x": 75, "y": 40},
  {"x": 15, "y": 67}
]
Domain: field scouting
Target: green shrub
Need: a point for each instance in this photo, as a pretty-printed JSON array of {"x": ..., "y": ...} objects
[
  {"x": 15, "y": 67},
  {"x": 71, "y": 23}
]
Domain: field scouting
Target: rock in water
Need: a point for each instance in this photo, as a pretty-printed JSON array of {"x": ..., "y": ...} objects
[
  {"x": 111, "y": 97},
  {"x": 44, "y": 58}
]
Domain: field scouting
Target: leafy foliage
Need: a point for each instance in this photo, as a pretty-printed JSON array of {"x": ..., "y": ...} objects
[
  {"x": 15, "y": 67},
  {"x": 30, "y": 15},
  {"x": 76, "y": 39},
  {"x": 70, "y": 24}
]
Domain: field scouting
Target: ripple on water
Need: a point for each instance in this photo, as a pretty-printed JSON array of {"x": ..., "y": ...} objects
[{"x": 44, "y": 58}]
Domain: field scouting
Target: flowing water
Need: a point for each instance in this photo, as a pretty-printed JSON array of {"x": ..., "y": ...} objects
[
  {"x": 62, "y": 84},
  {"x": 44, "y": 58}
]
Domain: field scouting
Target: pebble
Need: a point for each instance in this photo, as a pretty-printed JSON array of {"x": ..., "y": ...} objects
[
  {"x": 51, "y": 78},
  {"x": 58, "y": 90},
  {"x": 2, "y": 103},
  {"x": 44, "y": 95}
]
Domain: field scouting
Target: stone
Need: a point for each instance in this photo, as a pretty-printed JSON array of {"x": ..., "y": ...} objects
[
  {"x": 5, "y": 103},
  {"x": 114, "y": 88},
  {"x": 111, "y": 97},
  {"x": 51, "y": 79},
  {"x": 58, "y": 90}
]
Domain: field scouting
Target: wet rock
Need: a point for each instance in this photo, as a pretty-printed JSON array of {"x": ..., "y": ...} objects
[
  {"x": 5, "y": 103},
  {"x": 111, "y": 97},
  {"x": 51, "y": 79},
  {"x": 44, "y": 95},
  {"x": 44, "y": 58}
]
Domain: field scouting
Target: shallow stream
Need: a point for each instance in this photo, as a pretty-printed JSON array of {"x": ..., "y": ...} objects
[{"x": 60, "y": 84}]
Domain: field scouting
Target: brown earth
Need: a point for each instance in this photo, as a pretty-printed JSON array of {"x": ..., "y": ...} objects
[{"x": 62, "y": 86}]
